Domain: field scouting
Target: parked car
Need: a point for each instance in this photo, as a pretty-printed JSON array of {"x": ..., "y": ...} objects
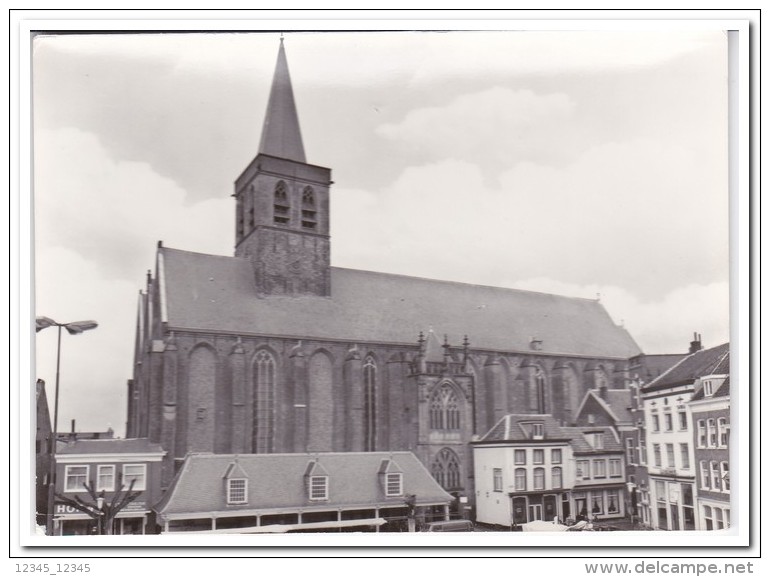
[{"x": 443, "y": 526}]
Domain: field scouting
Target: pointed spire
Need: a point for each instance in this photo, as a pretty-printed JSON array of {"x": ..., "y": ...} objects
[{"x": 281, "y": 136}]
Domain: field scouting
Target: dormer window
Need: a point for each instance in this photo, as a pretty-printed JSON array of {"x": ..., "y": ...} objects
[
  {"x": 394, "y": 484},
  {"x": 534, "y": 430},
  {"x": 596, "y": 439},
  {"x": 236, "y": 491},
  {"x": 708, "y": 388},
  {"x": 318, "y": 488}
]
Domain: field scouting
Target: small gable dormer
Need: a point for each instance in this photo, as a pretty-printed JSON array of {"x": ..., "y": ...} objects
[
  {"x": 317, "y": 481},
  {"x": 533, "y": 429},
  {"x": 236, "y": 483},
  {"x": 391, "y": 478}
]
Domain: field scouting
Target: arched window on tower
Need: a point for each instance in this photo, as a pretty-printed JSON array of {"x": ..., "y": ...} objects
[
  {"x": 444, "y": 408},
  {"x": 446, "y": 469},
  {"x": 370, "y": 404},
  {"x": 308, "y": 208},
  {"x": 281, "y": 205},
  {"x": 264, "y": 402}
]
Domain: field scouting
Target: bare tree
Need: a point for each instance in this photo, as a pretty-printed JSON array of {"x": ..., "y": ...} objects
[{"x": 98, "y": 508}]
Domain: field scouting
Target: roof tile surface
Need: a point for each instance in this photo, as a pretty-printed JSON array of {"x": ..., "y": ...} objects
[{"x": 217, "y": 293}]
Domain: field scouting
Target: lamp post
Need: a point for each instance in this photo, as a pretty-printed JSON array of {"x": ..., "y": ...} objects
[
  {"x": 73, "y": 328},
  {"x": 99, "y": 505}
]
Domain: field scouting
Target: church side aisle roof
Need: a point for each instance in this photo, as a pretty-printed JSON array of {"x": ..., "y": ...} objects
[{"x": 216, "y": 293}]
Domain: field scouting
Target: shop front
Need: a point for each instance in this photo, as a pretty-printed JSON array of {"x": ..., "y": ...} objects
[
  {"x": 539, "y": 507},
  {"x": 594, "y": 504},
  {"x": 71, "y": 521},
  {"x": 674, "y": 505}
]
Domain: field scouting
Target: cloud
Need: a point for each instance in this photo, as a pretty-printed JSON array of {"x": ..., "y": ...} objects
[
  {"x": 96, "y": 364},
  {"x": 499, "y": 123},
  {"x": 111, "y": 211},
  {"x": 97, "y": 220},
  {"x": 642, "y": 214},
  {"x": 659, "y": 326}
]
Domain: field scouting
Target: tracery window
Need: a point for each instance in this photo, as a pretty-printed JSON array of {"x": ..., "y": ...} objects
[
  {"x": 264, "y": 402},
  {"x": 444, "y": 409},
  {"x": 281, "y": 205},
  {"x": 370, "y": 404},
  {"x": 540, "y": 392},
  {"x": 308, "y": 208},
  {"x": 446, "y": 469}
]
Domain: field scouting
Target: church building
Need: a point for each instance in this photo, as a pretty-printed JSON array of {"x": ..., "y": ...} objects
[{"x": 274, "y": 350}]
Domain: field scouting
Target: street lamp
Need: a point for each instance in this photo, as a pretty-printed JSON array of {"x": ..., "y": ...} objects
[
  {"x": 100, "y": 505},
  {"x": 73, "y": 328}
]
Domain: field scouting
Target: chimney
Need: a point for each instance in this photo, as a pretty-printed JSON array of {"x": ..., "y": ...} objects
[{"x": 695, "y": 344}]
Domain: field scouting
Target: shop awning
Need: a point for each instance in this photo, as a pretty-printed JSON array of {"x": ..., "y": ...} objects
[{"x": 375, "y": 522}]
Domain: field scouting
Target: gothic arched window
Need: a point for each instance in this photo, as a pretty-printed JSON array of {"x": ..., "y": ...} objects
[
  {"x": 444, "y": 408},
  {"x": 370, "y": 404},
  {"x": 264, "y": 402},
  {"x": 308, "y": 208},
  {"x": 446, "y": 469},
  {"x": 540, "y": 391},
  {"x": 281, "y": 205}
]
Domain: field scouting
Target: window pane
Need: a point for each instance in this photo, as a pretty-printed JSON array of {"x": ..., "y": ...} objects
[
  {"x": 76, "y": 477},
  {"x": 106, "y": 480},
  {"x": 135, "y": 473}
]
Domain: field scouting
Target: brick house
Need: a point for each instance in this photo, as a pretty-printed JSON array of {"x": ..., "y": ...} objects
[
  {"x": 600, "y": 477},
  {"x": 108, "y": 465},
  {"x": 671, "y": 463},
  {"x": 710, "y": 409},
  {"x": 617, "y": 409},
  {"x": 43, "y": 440}
]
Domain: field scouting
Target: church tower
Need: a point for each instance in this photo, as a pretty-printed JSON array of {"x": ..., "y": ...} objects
[{"x": 282, "y": 203}]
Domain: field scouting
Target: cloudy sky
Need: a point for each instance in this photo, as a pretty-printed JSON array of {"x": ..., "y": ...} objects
[{"x": 572, "y": 162}]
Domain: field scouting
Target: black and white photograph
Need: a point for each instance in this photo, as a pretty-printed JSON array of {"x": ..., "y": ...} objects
[{"x": 409, "y": 286}]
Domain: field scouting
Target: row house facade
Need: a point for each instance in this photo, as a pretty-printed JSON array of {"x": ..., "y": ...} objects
[
  {"x": 600, "y": 481},
  {"x": 682, "y": 452},
  {"x": 710, "y": 408},
  {"x": 110, "y": 467}
]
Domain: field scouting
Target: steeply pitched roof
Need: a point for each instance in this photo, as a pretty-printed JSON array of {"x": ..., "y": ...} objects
[
  {"x": 109, "y": 446},
  {"x": 510, "y": 428},
  {"x": 278, "y": 481},
  {"x": 713, "y": 361},
  {"x": 281, "y": 135},
  {"x": 217, "y": 293},
  {"x": 617, "y": 403}
]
